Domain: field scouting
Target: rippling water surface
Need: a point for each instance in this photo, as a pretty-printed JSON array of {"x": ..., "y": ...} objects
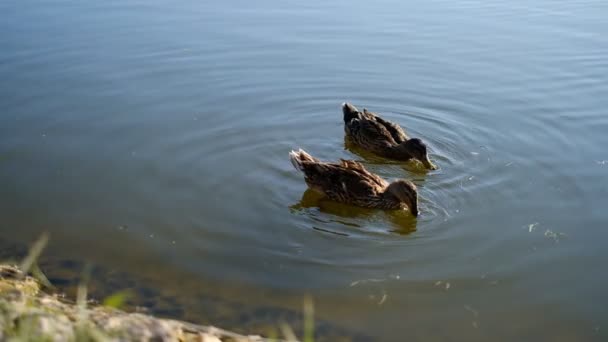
[{"x": 151, "y": 138}]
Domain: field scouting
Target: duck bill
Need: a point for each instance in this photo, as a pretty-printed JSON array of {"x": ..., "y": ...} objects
[
  {"x": 428, "y": 164},
  {"x": 414, "y": 207},
  {"x": 415, "y": 212}
]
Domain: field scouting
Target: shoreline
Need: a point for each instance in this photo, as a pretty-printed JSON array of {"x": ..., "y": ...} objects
[{"x": 28, "y": 311}]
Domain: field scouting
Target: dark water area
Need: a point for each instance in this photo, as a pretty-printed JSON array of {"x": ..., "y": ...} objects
[{"x": 150, "y": 138}]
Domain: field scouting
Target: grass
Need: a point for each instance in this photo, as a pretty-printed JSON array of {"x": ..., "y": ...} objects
[{"x": 309, "y": 324}]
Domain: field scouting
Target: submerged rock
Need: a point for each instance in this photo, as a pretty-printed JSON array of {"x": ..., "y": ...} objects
[{"x": 28, "y": 313}]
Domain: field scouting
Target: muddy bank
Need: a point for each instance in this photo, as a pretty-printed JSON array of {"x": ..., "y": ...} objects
[{"x": 28, "y": 312}]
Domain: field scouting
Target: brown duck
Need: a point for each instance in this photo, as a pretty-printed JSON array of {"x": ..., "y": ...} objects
[
  {"x": 382, "y": 137},
  {"x": 349, "y": 182}
]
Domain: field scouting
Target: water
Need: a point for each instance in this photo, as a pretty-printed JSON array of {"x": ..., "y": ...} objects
[{"x": 151, "y": 138}]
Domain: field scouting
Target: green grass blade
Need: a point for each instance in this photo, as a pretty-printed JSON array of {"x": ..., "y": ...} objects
[
  {"x": 309, "y": 320},
  {"x": 34, "y": 253}
]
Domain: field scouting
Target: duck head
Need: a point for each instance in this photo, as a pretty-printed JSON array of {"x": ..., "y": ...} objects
[
  {"x": 414, "y": 148},
  {"x": 405, "y": 192}
]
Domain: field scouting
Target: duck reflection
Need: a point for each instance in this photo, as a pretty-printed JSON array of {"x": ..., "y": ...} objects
[{"x": 329, "y": 212}]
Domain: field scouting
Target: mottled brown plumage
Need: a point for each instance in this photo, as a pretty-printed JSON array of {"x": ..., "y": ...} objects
[
  {"x": 382, "y": 137},
  {"x": 349, "y": 182}
]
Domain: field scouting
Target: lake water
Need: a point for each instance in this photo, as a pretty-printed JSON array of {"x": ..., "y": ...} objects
[{"x": 152, "y": 137}]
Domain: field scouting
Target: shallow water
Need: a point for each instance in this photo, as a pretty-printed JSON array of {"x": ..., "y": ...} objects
[{"x": 151, "y": 138}]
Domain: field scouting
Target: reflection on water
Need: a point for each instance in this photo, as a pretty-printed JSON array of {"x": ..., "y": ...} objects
[
  {"x": 151, "y": 139},
  {"x": 325, "y": 212}
]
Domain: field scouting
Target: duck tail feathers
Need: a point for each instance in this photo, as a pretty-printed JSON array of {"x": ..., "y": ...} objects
[
  {"x": 298, "y": 158},
  {"x": 350, "y": 112}
]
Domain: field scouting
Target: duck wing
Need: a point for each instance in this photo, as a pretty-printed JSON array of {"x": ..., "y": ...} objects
[
  {"x": 370, "y": 133},
  {"x": 394, "y": 129},
  {"x": 343, "y": 183},
  {"x": 372, "y": 178}
]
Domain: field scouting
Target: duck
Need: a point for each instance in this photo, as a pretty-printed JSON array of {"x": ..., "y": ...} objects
[
  {"x": 349, "y": 182},
  {"x": 382, "y": 137}
]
